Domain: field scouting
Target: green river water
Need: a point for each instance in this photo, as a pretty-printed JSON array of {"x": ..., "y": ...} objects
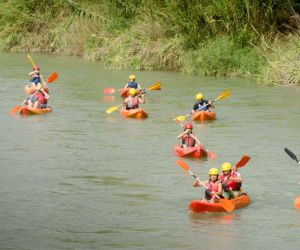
[{"x": 78, "y": 178}]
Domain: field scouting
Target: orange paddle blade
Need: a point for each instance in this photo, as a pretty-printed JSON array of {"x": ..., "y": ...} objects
[
  {"x": 109, "y": 91},
  {"x": 16, "y": 109},
  {"x": 52, "y": 78},
  {"x": 243, "y": 161},
  {"x": 228, "y": 205},
  {"x": 182, "y": 164},
  {"x": 156, "y": 86}
]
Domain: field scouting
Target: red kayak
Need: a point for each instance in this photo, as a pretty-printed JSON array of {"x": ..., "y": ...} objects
[
  {"x": 203, "y": 116},
  {"x": 33, "y": 111},
  {"x": 194, "y": 152},
  {"x": 134, "y": 113},
  {"x": 202, "y": 206}
]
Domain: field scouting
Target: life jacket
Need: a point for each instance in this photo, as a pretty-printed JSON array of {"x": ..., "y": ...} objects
[
  {"x": 41, "y": 98},
  {"x": 213, "y": 187},
  {"x": 188, "y": 140},
  {"x": 133, "y": 102},
  {"x": 201, "y": 105},
  {"x": 36, "y": 78},
  {"x": 232, "y": 185},
  {"x": 133, "y": 85}
]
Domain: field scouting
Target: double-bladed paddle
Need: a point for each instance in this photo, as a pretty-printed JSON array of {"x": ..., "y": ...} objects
[
  {"x": 222, "y": 96},
  {"x": 155, "y": 86},
  {"x": 228, "y": 205},
  {"x": 51, "y": 79}
]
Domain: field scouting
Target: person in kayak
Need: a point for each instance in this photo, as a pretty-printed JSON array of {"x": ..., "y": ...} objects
[
  {"x": 132, "y": 83},
  {"x": 187, "y": 136},
  {"x": 231, "y": 181},
  {"x": 213, "y": 186},
  {"x": 202, "y": 104},
  {"x": 40, "y": 98},
  {"x": 133, "y": 100},
  {"x": 35, "y": 76}
]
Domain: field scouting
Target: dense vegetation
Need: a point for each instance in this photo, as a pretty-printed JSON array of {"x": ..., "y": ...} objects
[{"x": 245, "y": 38}]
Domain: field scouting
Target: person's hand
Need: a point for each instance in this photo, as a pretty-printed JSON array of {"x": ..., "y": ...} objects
[{"x": 210, "y": 102}]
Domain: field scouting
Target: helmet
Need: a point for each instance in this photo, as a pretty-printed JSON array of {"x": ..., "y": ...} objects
[
  {"x": 36, "y": 67},
  {"x": 132, "y": 77},
  {"x": 199, "y": 96},
  {"x": 188, "y": 126},
  {"x": 226, "y": 166},
  {"x": 132, "y": 91},
  {"x": 213, "y": 171}
]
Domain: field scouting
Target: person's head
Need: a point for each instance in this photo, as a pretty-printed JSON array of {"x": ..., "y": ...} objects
[
  {"x": 213, "y": 174},
  {"x": 226, "y": 168},
  {"x": 132, "y": 78},
  {"x": 188, "y": 126},
  {"x": 36, "y": 68},
  {"x": 132, "y": 92},
  {"x": 199, "y": 97}
]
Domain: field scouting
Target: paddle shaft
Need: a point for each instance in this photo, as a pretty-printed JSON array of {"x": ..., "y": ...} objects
[{"x": 292, "y": 155}]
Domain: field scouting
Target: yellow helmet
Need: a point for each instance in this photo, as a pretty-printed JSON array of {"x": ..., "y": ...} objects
[
  {"x": 199, "y": 96},
  {"x": 132, "y": 91},
  {"x": 132, "y": 77},
  {"x": 213, "y": 171},
  {"x": 226, "y": 166}
]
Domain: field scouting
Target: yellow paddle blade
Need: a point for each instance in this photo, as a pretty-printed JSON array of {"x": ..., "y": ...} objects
[
  {"x": 112, "y": 109},
  {"x": 180, "y": 118},
  {"x": 224, "y": 95},
  {"x": 155, "y": 86},
  {"x": 228, "y": 205},
  {"x": 30, "y": 59}
]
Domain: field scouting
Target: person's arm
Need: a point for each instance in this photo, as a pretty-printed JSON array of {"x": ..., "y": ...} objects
[
  {"x": 210, "y": 104},
  {"x": 195, "y": 108},
  {"x": 142, "y": 99},
  {"x": 198, "y": 184},
  {"x": 237, "y": 178},
  {"x": 182, "y": 134},
  {"x": 46, "y": 94}
]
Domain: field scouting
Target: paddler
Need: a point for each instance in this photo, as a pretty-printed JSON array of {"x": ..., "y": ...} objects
[
  {"x": 231, "y": 181},
  {"x": 201, "y": 103},
  {"x": 133, "y": 100},
  {"x": 40, "y": 98},
  {"x": 132, "y": 83},
  {"x": 213, "y": 186},
  {"x": 187, "y": 136}
]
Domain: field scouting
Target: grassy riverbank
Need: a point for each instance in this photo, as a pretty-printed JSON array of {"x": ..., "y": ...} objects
[{"x": 250, "y": 38}]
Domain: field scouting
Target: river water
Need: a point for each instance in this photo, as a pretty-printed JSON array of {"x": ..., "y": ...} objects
[{"x": 78, "y": 178}]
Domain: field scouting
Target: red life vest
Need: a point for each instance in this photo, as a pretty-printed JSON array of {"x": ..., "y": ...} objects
[
  {"x": 188, "y": 140},
  {"x": 41, "y": 98},
  {"x": 133, "y": 102},
  {"x": 232, "y": 185},
  {"x": 213, "y": 187}
]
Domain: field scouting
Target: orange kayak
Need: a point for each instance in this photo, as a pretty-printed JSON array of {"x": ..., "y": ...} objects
[
  {"x": 33, "y": 111},
  {"x": 203, "y": 116},
  {"x": 194, "y": 152},
  {"x": 134, "y": 113},
  {"x": 202, "y": 206}
]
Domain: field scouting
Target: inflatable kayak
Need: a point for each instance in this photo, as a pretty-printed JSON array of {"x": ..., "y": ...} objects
[
  {"x": 202, "y": 206},
  {"x": 194, "y": 152},
  {"x": 134, "y": 113},
  {"x": 203, "y": 116},
  {"x": 34, "y": 111}
]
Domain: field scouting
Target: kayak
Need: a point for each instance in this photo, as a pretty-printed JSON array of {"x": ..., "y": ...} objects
[
  {"x": 203, "y": 116},
  {"x": 194, "y": 152},
  {"x": 134, "y": 113},
  {"x": 34, "y": 111},
  {"x": 297, "y": 203},
  {"x": 124, "y": 92},
  {"x": 202, "y": 206},
  {"x": 29, "y": 89}
]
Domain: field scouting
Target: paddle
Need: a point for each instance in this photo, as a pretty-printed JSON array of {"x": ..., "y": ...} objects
[
  {"x": 30, "y": 59},
  {"x": 222, "y": 96},
  {"x": 51, "y": 79},
  {"x": 209, "y": 154},
  {"x": 292, "y": 155},
  {"x": 243, "y": 161},
  {"x": 228, "y": 205},
  {"x": 155, "y": 86}
]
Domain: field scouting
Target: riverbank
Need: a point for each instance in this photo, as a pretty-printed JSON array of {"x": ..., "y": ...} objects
[{"x": 224, "y": 38}]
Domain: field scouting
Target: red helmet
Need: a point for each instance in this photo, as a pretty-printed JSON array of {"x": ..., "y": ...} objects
[
  {"x": 188, "y": 126},
  {"x": 36, "y": 67}
]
